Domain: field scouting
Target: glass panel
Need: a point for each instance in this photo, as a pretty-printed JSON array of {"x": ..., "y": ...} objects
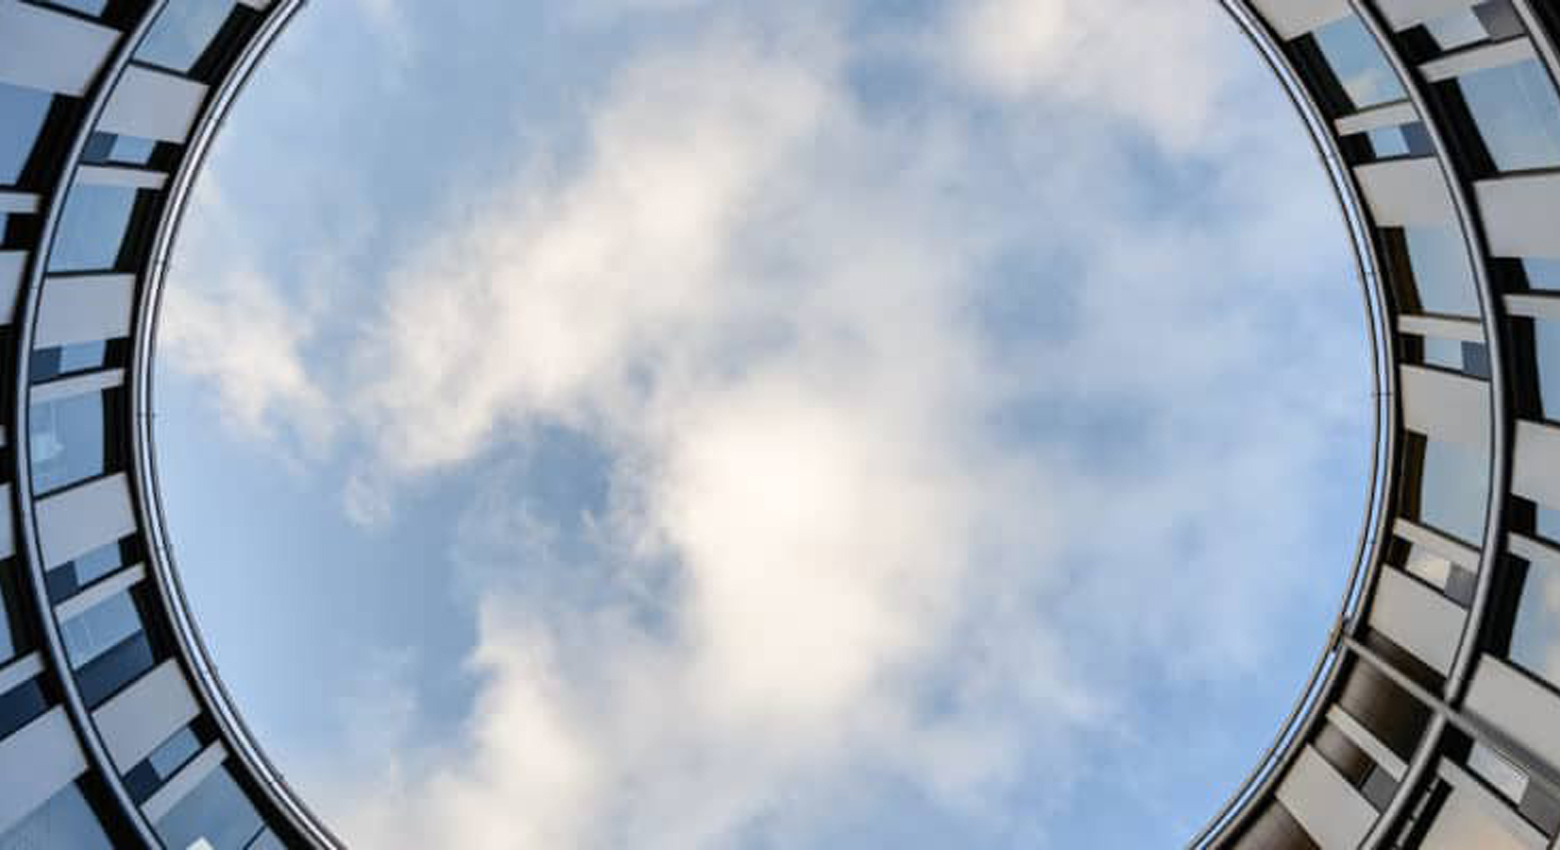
[
  {"x": 22, "y": 115},
  {"x": 1542, "y": 273},
  {"x": 1500, "y": 773},
  {"x": 1454, "y": 490},
  {"x": 20, "y": 706},
  {"x": 1535, "y": 636},
  {"x": 182, "y": 32},
  {"x": 1546, "y": 356},
  {"x": 267, "y": 840},
  {"x": 49, "y": 363},
  {"x": 1457, "y": 29},
  {"x": 1517, "y": 113},
  {"x": 1443, "y": 280},
  {"x": 100, "y": 628},
  {"x": 173, "y": 753},
  {"x": 10, "y": 635},
  {"x": 92, "y": 228},
  {"x": 124, "y": 150},
  {"x": 65, "y": 821},
  {"x": 1358, "y": 63},
  {"x": 90, "y": 7},
  {"x": 65, "y": 580},
  {"x": 103, "y": 677},
  {"x": 1548, "y": 524},
  {"x": 216, "y": 812},
  {"x": 68, "y": 441},
  {"x": 98, "y": 563}
]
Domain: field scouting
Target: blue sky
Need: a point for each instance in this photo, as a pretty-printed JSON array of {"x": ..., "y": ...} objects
[{"x": 667, "y": 423}]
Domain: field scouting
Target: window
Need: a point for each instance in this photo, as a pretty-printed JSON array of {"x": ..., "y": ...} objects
[
  {"x": 86, "y": 7},
  {"x": 107, "y": 148},
  {"x": 1441, "y": 279},
  {"x": 70, "y": 439},
  {"x": 47, "y": 364},
  {"x": 182, "y": 32},
  {"x": 1546, "y": 357},
  {"x": 1357, "y": 63},
  {"x": 67, "y": 579},
  {"x": 145, "y": 778},
  {"x": 1483, "y": 22},
  {"x": 100, "y": 628},
  {"x": 217, "y": 812},
  {"x": 1453, "y": 489},
  {"x": 1402, "y": 140},
  {"x": 92, "y": 228},
  {"x": 1469, "y": 358},
  {"x": 66, "y": 820},
  {"x": 23, "y": 113},
  {"x": 20, "y": 706},
  {"x": 1517, "y": 114},
  {"x": 1535, "y": 633},
  {"x": 11, "y": 637},
  {"x": 1541, "y": 273}
]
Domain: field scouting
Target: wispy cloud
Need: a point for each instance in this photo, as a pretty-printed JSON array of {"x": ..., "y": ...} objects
[{"x": 872, "y": 520}]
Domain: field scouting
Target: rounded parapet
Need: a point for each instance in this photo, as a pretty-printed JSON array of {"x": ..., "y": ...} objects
[{"x": 1430, "y": 717}]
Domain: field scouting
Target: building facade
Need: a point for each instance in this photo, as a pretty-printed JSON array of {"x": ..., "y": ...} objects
[{"x": 1432, "y": 718}]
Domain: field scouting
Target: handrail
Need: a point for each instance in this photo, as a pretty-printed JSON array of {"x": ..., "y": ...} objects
[
  {"x": 1303, "y": 714},
  {"x": 195, "y": 653}
]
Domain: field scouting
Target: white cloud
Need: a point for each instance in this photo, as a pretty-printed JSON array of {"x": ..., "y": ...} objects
[{"x": 823, "y": 563}]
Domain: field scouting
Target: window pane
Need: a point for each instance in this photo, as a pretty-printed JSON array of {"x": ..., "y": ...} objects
[
  {"x": 124, "y": 150},
  {"x": 1443, "y": 280},
  {"x": 174, "y": 752},
  {"x": 98, "y": 563},
  {"x": 1517, "y": 113},
  {"x": 1535, "y": 637},
  {"x": 1542, "y": 273},
  {"x": 105, "y": 675},
  {"x": 10, "y": 614},
  {"x": 100, "y": 628},
  {"x": 1546, "y": 345},
  {"x": 20, "y": 706},
  {"x": 90, "y": 7},
  {"x": 92, "y": 228},
  {"x": 65, "y": 821},
  {"x": 22, "y": 115},
  {"x": 1469, "y": 358},
  {"x": 1454, "y": 490},
  {"x": 1548, "y": 523},
  {"x": 1358, "y": 63},
  {"x": 217, "y": 811},
  {"x": 1457, "y": 29},
  {"x": 182, "y": 32},
  {"x": 68, "y": 441},
  {"x": 49, "y": 363}
]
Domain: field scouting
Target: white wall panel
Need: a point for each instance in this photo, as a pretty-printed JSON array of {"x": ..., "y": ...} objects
[
  {"x": 42, "y": 49},
  {"x": 81, "y": 519}
]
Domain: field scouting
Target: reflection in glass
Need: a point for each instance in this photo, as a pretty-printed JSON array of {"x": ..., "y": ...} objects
[
  {"x": 1546, "y": 351},
  {"x": 100, "y": 628},
  {"x": 1542, "y": 273},
  {"x": 216, "y": 812},
  {"x": 1443, "y": 280},
  {"x": 1483, "y": 22},
  {"x": 67, "y": 579},
  {"x": 1517, "y": 113},
  {"x": 68, "y": 441},
  {"x": 22, "y": 115},
  {"x": 119, "y": 150},
  {"x": 1454, "y": 489},
  {"x": 20, "y": 706},
  {"x": 1358, "y": 63},
  {"x": 182, "y": 31},
  {"x": 65, "y": 821},
  {"x": 92, "y": 228},
  {"x": 1535, "y": 636},
  {"x": 50, "y": 363},
  {"x": 1468, "y": 358}
]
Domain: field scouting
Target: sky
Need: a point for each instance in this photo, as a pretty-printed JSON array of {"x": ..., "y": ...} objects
[{"x": 682, "y": 424}]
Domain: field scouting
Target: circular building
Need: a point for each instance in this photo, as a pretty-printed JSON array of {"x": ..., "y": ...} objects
[{"x": 1432, "y": 719}]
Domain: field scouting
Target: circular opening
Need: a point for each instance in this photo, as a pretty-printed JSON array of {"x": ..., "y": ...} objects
[{"x": 844, "y": 424}]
